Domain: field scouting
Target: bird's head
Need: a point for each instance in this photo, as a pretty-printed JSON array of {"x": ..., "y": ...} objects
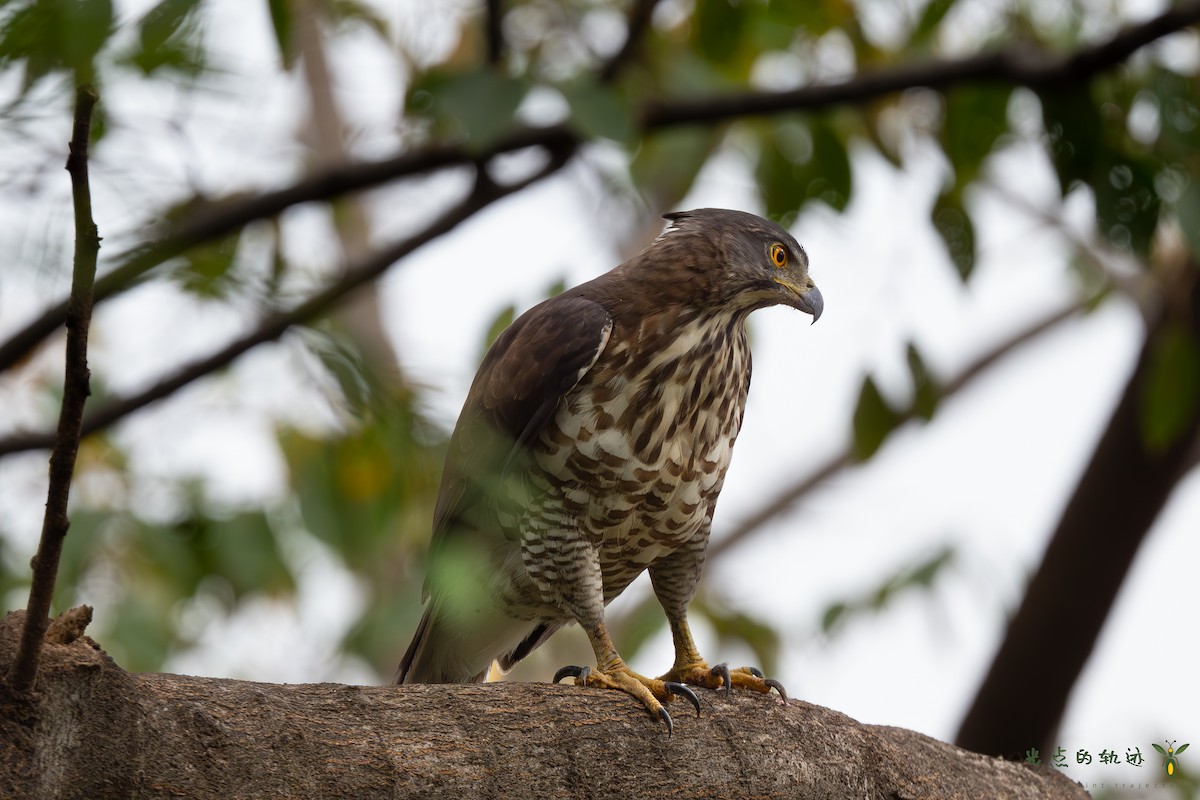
[{"x": 757, "y": 262}]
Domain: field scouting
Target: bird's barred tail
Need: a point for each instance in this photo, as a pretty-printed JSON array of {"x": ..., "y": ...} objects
[
  {"x": 425, "y": 660},
  {"x": 404, "y": 671}
]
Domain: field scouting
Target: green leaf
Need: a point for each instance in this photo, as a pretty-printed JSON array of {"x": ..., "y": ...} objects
[
  {"x": 1188, "y": 208},
  {"x": 86, "y": 26},
  {"x": 1170, "y": 393},
  {"x": 163, "y": 37},
  {"x": 85, "y": 539},
  {"x": 815, "y": 19},
  {"x": 143, "y": 633},
  {"x": 923, "y": 574},
  {"x": 1127, "y": 204},
  {"x": 1179, "y": 110},
  {"x": 799, "y": 163},
  {"x": 833, "y": 616},
  {"x": 718, "y": 25},
  {"x": 666, "y": 163},
  {"x": 57, "y": 35},
  {"x": 501, "y": 321},
  {"x": 953, "y": 224},
  {"x": 207, "y": 270},
  {"x": 917, "y": 576},
  {"x": 639, "y": 625},
  {"x": 283, "y": 25},
  {"x": 246, "y": 553},
  {"x": 874, "y": 420},
  {"x": 390, "y": 617},
  {"x": 169, "y": 557},
  {"x": 976, "y": 117},
  {"x": 346, "y": 365},
  {"x": 736, "y": 626},
  {"x": 925, "y": 391},
  {"x": 600, "y": 111},
  {"x": 931, "y": 19},
  {"x": 1073, "y": 126},
  {"x": 477, "y": 106},
  {"x": 828, "y": 173}
]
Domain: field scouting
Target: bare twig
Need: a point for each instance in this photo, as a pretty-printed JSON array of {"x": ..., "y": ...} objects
[
  {"x": 493, "y": 32},
  {"x": 23, "y": 672},
  {"x": 786, "y": 499},
  {"x": 274, "y": 326},
  {"x": 1021, "y": 65},
  {"x": 636, "y": 26}
]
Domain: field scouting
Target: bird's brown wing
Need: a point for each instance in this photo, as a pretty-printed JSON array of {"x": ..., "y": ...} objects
[{"x": 533, "y": 364}]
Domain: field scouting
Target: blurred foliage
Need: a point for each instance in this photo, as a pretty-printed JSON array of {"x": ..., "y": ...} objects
[
  {"x": 875, "y": 418},
  {"x": 365, "y": 489},
  {"x": 919, "y": 576}
]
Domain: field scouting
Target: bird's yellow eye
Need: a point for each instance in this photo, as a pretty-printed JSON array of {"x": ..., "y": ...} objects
[{"x": 779, "y": 255}]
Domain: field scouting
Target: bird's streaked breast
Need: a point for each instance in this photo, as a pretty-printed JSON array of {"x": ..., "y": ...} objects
[{"x": 634, "y": 458}]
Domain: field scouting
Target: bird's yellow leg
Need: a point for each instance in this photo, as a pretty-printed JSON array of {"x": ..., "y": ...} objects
[
  {"x": 690, "y": 668},
  {"x": 612, "y": 673}
]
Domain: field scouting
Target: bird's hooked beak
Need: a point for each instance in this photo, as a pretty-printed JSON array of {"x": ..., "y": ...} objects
[
  {"x": 811, "y": 302},
  {"x": 808, "y": 300}
]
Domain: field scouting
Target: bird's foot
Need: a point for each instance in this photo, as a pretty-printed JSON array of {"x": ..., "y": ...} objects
[
  {"x": 721, "y": 676},
  {"x": 652, "y": 692}
]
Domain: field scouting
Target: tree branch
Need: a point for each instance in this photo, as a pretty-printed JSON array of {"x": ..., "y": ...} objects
[
  {"x": 786, "y": 499},
  {"x": 1017, "y": 65},
  {"x": 274, "y": 326},
  {"x": 637, "y": 23},
  {"x": 1122, "y": 491},
  {"x": 223, "y": 217},
  {"x": 493, "y": 32},
  {"x": 213, "y": 738},
  {"x": 1022, "y": 66},
  {"x": 23, "y": 672}
]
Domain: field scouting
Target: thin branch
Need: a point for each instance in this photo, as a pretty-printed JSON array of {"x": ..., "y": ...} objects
[
  {"x": 1108, "y": 264},
  {"x": 367, "y": 270},
  {"x": 1017, "y": 65},
  {"x": 493, "y": 32},
  {"x": 786, "y": 499},
  {"x": 23, "y": 672},
  {"x": 224, "y": 217},
  {"x": 636, "y": 26}
]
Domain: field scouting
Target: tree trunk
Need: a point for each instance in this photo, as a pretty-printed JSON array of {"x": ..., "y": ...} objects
[
  {"x": 1112, "y": 509},
  {"x": 95, "y": 731}
]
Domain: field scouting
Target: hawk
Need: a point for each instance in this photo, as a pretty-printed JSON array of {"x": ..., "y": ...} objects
[{"x": 592, "y": 446}]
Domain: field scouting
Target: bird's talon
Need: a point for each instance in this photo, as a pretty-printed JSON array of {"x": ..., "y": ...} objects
[
  {"x": 722, "y": 671},
  {"x": 579, "y": 673},
  {"x": 755, "y": 671},
  {"x": 777, "y": 686},
  {"x": 675, "y": 689},
  {"x": 665, "y": 716}
]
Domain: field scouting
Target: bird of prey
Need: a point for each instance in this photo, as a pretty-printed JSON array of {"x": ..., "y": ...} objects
[{"x": 592, "y": 446}]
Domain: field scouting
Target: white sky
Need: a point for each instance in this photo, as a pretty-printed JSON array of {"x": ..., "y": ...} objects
[{"x": 989, "y": 474}]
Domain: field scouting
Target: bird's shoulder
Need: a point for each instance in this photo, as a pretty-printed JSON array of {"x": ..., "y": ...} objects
[
  {"x": 530, "y": 367},
  {"x": 539, "y": 358}
]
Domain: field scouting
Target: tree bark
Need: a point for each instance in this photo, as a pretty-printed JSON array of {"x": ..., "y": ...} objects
[{"x": 94, "y": 731}]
